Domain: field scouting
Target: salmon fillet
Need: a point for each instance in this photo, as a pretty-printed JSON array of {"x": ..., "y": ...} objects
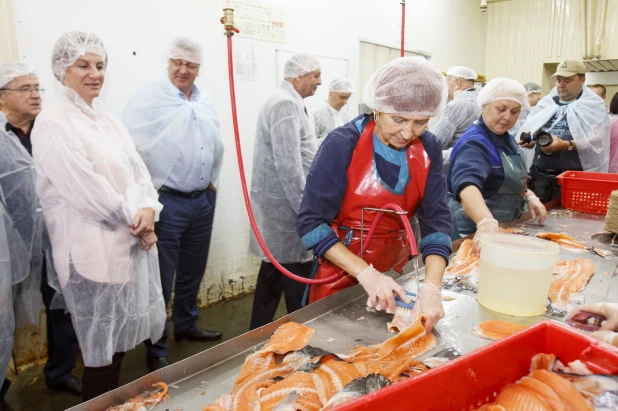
[
  {"x": 570, "y": 277},
  {"x": 545, "y": 392},
  {"x": 564, "y": 388},
  {"x": 464, "y": 261},
  {"x": 299, "y": 382},
  {"x": 331, "y": 376},
  {"x": 289, "y": 337},
  {"x": 496, "y": 330},
  {"x": 542, "y": 362},
  {"x": 411, "y": 342},
  {"x": 514, "y": 397}
]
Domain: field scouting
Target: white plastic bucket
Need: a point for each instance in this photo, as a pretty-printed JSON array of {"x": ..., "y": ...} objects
[{"x": 515, "y": 273}]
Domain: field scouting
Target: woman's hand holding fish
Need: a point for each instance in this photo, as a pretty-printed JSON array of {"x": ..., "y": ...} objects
[
  {"x": 381, "y": 289},
  {"x": 429, "y": 303}
]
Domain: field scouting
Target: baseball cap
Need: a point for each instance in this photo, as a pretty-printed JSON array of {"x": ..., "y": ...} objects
[{"x": 568, "y": 68}]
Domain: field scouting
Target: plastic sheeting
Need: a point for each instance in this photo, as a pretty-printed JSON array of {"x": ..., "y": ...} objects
[
  {"x": 92, "y": 182},
  {"x": 407, "y": 86},
  {"x": 327, "y": 119},
  {"x": 13, "y": 266},
  {"x": 18, "y": 193},
  {"x": 159, "y": 121},
  {"x": 588, "y": 123},
  {"x": 285, "y": 145},
  {"x": 457, "y": 116}
]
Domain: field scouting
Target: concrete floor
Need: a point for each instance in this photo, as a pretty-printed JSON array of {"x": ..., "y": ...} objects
[{"x": 28, "y": 390}]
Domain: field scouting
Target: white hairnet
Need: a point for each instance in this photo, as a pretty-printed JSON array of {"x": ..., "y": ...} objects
[
  {"x": 300, "y": 64},
  {"x": 183, "y": 48},
  {"x": 503, "y": 89},
  {"x": 408, "y": 86},
  {"x": 462, "y": 72},
  {"x": 341, "y": 85},
  {"x": 12, "y": 69},
  {"x": 532, "y": 88},
  {"x": 71, "y": 46}
]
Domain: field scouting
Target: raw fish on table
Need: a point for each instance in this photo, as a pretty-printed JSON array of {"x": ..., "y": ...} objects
[
  {"x": 309, "y": 379},
  {"x": 570, "y": 277},
  {"x": 496, "y": 329}
]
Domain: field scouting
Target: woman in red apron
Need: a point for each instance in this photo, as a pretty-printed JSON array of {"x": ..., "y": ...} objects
[{"x": 386, "y": 157}]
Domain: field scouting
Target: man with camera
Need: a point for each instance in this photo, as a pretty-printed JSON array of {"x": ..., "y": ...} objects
[{"x": 568, "y": 129}]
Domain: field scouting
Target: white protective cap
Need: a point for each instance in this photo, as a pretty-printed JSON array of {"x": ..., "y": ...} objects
[
  {"x": 183, "y": 48},
  {"x": 532, "y": 88},
  {"x": 462, "y": 72},
  {"x": 503, "y": 89},
  {"x": 71, "y": 46},
  {"x": 300, "y": 64},
  {"x": 341, "y": 85},
  {"x": 12, "y": 69},
  {"x": 407, "y": 85}
]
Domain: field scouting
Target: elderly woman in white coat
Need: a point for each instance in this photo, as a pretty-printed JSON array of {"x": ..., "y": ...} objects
[{"x": 100, "y": 208}]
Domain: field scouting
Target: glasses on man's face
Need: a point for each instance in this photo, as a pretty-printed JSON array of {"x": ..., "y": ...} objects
[
  {"x": 26, "y": 90},
  {"x": 190, "y": 66}
]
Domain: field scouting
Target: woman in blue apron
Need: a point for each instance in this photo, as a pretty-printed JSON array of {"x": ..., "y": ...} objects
[{"x": 487, "y": 180}]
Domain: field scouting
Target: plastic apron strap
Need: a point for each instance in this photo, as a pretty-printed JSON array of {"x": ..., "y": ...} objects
[{"x": 317, "y": 261}]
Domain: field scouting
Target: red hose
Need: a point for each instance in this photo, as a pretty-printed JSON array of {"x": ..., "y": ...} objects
[
  {"x": 245, "y": 193},
  {"x": 403, "y": 25},
  {"x": 243, "y": 182}
]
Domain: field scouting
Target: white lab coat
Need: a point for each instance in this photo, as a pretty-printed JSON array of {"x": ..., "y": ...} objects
[
  {"x": 327, "y": 119},
  {"x": 91, "y": 182},
  {"x": 285, "y": 145}
]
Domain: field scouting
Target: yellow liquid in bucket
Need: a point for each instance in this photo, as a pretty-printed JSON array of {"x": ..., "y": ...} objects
[{"x": 515, "y": 273}]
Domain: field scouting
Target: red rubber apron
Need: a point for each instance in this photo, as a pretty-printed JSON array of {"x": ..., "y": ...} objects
[{"x": 389, "y": 247}]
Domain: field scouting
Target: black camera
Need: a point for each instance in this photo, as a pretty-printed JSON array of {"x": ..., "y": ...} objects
[{"x": 543, "y": 138}]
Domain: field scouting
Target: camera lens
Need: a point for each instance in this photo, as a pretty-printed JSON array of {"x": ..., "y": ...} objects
[
  {"x": 525, "y": 137},
  {"x": 544, "y": 138}
]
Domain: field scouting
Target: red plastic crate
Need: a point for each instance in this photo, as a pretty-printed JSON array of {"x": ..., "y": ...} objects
[
  {"x": 473, "y": 379},
  {"x": 587, "y": 192}
]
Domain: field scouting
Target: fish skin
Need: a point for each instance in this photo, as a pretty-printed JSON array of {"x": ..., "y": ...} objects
[{"x": 496, "y": 329}]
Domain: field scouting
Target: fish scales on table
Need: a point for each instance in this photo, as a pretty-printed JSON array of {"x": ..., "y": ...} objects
[{"x": 309, "y": 379}]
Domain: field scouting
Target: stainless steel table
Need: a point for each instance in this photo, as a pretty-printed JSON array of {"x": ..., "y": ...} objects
[{"x": 342, "y": 321}]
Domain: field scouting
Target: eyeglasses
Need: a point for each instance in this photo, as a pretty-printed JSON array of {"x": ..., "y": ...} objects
[
  {"x": 190, "y": 66},
  {"x": 25, "y": 90}
]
